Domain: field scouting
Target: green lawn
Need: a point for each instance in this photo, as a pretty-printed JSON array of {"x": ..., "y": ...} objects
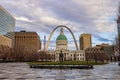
[{"x": 68, "y": 63}]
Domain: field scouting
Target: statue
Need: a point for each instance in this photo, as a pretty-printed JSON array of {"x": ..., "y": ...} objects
[{"x": 61, "y": 57}]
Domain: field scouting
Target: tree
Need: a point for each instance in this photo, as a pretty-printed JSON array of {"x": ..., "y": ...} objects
[
  {"x": 31, "y": 57},
  {"x": 5, "y": 52},
  {"x": 44, "y": 56},
  {"x": 117, "y": 48}
]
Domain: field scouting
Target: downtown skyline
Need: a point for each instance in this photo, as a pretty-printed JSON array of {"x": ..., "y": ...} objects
[{"x": 81, "y": 16}]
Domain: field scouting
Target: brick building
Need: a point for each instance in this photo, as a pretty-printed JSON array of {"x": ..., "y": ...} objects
[
  {"x": 26, "y": 42},
  {"x": 101, "y": 52}
]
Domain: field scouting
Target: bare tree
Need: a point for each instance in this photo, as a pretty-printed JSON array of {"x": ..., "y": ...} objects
[
  {"x": 5, "y": 52},
  {"x": 31, "y": 57},
  {"x": 117, "y": 47},
  {"x": 44, "y": 56}
]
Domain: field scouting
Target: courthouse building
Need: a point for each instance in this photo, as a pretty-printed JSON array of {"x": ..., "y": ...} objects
[{"x": 68, "y": 55}]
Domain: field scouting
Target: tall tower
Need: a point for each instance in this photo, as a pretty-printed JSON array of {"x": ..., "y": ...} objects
[
  {"x": 118, "y": 21},
  {"x": 85, "y": 41},
  {"x": 117, "y": 47}
]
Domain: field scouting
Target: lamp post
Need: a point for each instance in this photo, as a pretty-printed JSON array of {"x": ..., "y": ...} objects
[
  {"x": 54, "y": 56},
  {"x": 75, "y": 56},
  {"x": 61, "y": 57}
]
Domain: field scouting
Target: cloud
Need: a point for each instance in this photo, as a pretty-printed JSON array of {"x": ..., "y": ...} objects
[
  {"x": 81, "y": 16},
  {"x": 98, "y": 39},
  {"x": 23, "y": 19},
  {"x": 103, "y": 39}
]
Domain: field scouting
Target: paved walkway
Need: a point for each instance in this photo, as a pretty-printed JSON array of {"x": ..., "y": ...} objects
[
  {"x": 21, "y": 71},
  {"x": 60, "y": 75}
]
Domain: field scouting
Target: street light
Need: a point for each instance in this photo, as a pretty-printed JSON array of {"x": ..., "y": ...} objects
[{"x": 54, "y": 56}]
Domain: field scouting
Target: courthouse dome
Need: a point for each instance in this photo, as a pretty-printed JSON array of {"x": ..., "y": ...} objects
[
  {"x": 61, "y": 36},
  {"x": 61, "y": 41}
]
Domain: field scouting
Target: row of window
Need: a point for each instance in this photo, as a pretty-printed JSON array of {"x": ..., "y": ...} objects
[
  {"x": 72, "y": 54},
  {"x": 7, "y": 23},
  {"x": 26, "y": 37}
]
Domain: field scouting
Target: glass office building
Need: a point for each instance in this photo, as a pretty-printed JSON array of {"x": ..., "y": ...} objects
[{"x": 7, "y": 24}]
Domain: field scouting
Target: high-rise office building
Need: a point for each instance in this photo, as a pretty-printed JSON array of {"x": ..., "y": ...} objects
[
  {"x": 26, "y": 42},
  {"x": 7, "y": 24},
  {"x": 85, "y": 41}
]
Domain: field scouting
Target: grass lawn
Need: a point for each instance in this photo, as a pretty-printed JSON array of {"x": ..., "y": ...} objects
[{"x": 68, "y": 63}]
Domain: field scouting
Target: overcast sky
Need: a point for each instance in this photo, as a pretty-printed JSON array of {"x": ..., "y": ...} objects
[{"x": 97, "y": 17}]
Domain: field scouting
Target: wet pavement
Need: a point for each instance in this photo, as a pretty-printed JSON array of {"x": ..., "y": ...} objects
[{"x": 21, "y": 71}]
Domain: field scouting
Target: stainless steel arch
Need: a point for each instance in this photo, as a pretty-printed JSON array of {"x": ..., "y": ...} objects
[{"x": 48, "y": 42}]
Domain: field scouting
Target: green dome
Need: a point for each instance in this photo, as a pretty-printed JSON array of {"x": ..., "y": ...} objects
[{"x": 61, "y": 37}]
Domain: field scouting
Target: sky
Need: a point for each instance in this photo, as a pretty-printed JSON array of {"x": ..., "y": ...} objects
[{"x": 96, "y": 17}]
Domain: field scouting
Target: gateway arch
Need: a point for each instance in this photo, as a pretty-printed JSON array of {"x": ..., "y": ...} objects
[{"x": 48, "y": 42}]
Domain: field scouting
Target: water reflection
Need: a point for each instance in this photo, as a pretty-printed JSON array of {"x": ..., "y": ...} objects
[{"x": 21, "y": 71}]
